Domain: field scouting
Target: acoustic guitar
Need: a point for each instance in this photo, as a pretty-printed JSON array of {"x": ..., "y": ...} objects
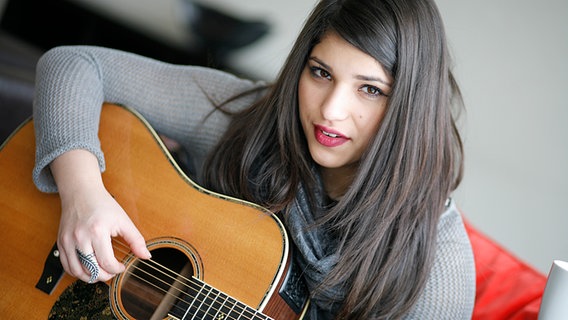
[{"x": 213, "y": 256}]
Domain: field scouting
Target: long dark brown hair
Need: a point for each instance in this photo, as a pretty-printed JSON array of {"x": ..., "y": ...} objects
[{"x": 386, "y": 222}]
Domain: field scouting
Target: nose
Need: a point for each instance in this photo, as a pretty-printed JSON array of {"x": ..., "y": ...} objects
[{"x": 335, "y": 106}]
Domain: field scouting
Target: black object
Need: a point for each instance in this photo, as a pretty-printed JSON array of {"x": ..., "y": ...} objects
[
  {"x": 52, "y": 271},
  {"x": 47, "y": 24},
  {"x": 223, "y": 32},
  {"x": 40, "y": 25}
]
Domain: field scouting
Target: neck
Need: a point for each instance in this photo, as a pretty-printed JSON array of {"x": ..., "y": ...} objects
[{"x": 336, "y": 181}]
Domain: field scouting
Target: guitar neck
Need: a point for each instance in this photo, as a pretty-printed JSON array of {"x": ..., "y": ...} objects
[{"x": 203, "y": 301}]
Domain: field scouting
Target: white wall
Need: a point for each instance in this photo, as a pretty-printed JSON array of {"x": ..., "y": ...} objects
[{"x": 511, "y": 62}]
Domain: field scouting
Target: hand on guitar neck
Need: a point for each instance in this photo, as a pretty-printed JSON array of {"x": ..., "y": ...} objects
[{"x": 90, "y": 217}]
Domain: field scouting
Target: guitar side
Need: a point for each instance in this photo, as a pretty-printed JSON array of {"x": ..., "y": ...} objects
[{"x": 243, "y": 248}]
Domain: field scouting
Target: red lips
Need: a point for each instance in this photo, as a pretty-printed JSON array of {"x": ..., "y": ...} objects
[{"x": 328, "y": 137}]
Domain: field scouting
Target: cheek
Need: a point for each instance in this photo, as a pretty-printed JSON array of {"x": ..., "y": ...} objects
[
  {"x": 305, "y": 97},
  {"x": 303, "y": 103},
  {"x": 370, "y": 122}
]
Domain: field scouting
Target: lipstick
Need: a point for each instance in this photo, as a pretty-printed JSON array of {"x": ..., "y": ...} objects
[{"x": 328, "y": 137}]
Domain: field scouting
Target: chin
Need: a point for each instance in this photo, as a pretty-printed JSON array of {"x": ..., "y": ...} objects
[{"x": 327, "y": 161}]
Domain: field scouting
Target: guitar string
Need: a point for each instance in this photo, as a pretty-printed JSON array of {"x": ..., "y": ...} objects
[
  {"x": 180, "y": 308},
  {"x": 196, "y": 298},
  {"x": 201, "y": 302},
  {"x": 247, "y": 311},
  {"x": 243, "y": 308}
]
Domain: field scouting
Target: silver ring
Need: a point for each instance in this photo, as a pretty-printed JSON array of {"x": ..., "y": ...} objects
[{"x": 90, "y": 263}]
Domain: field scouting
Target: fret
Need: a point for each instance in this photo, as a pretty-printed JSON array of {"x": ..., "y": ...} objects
[
  {"x": 214, "y": 308},
  {"x": 201, "y": 301},
  {"x": 225, "y": 310},
  {"x": 194, "y": 301},
  {"x": 218, "y": 307},
  {"x": 229, "y": 308},
  {"x": 239, "y": 310}
]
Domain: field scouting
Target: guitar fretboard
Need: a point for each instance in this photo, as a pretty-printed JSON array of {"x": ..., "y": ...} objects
[{"x": 202, "y": 301}]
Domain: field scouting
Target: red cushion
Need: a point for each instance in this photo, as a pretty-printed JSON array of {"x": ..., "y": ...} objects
[{"x": 507, "y": 288}]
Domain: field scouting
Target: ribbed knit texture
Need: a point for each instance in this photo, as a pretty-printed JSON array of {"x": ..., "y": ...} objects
[
  {"x": 73, "y": 82},
  {"x": 177, "y": 101},
  {"x": 450, "y": 289}
]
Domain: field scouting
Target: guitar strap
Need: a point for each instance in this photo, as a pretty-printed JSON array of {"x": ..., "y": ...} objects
[{"x": 52, "y": 271}]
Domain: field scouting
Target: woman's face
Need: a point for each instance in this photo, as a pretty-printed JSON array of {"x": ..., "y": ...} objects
[{"x": 342, "y": 97}]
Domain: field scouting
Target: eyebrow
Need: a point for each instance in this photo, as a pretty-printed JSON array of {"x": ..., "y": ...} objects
[{"x": 358, "y": 77}]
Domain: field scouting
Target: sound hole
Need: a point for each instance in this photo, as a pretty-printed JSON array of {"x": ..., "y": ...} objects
[{"x": 151, "y": 289}]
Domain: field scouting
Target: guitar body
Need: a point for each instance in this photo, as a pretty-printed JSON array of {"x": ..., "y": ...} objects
[{"x": 232, "y": 250}]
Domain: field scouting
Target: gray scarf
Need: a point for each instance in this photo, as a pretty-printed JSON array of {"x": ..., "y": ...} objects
[{"x": 316, "y": 254}]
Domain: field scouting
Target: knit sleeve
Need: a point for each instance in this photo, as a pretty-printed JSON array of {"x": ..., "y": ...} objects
[
  {"x": 450, "y": 289},
  {"x": 179, "y": 101}
]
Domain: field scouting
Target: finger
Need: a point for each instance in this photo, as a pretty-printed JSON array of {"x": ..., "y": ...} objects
[
  {"x": 89, "y": 263},
  {"x": 105, "y": 256},
  {"x": 78, "y": 269},
  {"x": 70, "y": 261},
  {"x": 136, "y": 242},
  {"x": 105, "y": 276},
  {"x": 91, "y": 266},
  {"x": 71, "y": 264},
  {"x": 63, "y": 258}
]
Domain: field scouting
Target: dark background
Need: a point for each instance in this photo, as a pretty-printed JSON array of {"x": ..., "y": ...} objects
[{"x": 30, "y": 27}]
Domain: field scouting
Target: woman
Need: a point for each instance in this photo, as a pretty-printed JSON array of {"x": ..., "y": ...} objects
[{"x": 354, "y": 145}]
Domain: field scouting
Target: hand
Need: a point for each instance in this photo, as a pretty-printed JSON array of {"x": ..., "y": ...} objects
[
  {"x": 90, "y": 218},
  {"x": 88, "y": 223}
]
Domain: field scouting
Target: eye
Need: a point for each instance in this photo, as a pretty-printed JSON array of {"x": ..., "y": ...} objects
[
  {"x": 320, "y": 73},
  {"x": 372, "y": 91}
]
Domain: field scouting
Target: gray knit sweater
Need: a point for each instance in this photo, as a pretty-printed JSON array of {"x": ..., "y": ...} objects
[{"x": 73, "y": 82}]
